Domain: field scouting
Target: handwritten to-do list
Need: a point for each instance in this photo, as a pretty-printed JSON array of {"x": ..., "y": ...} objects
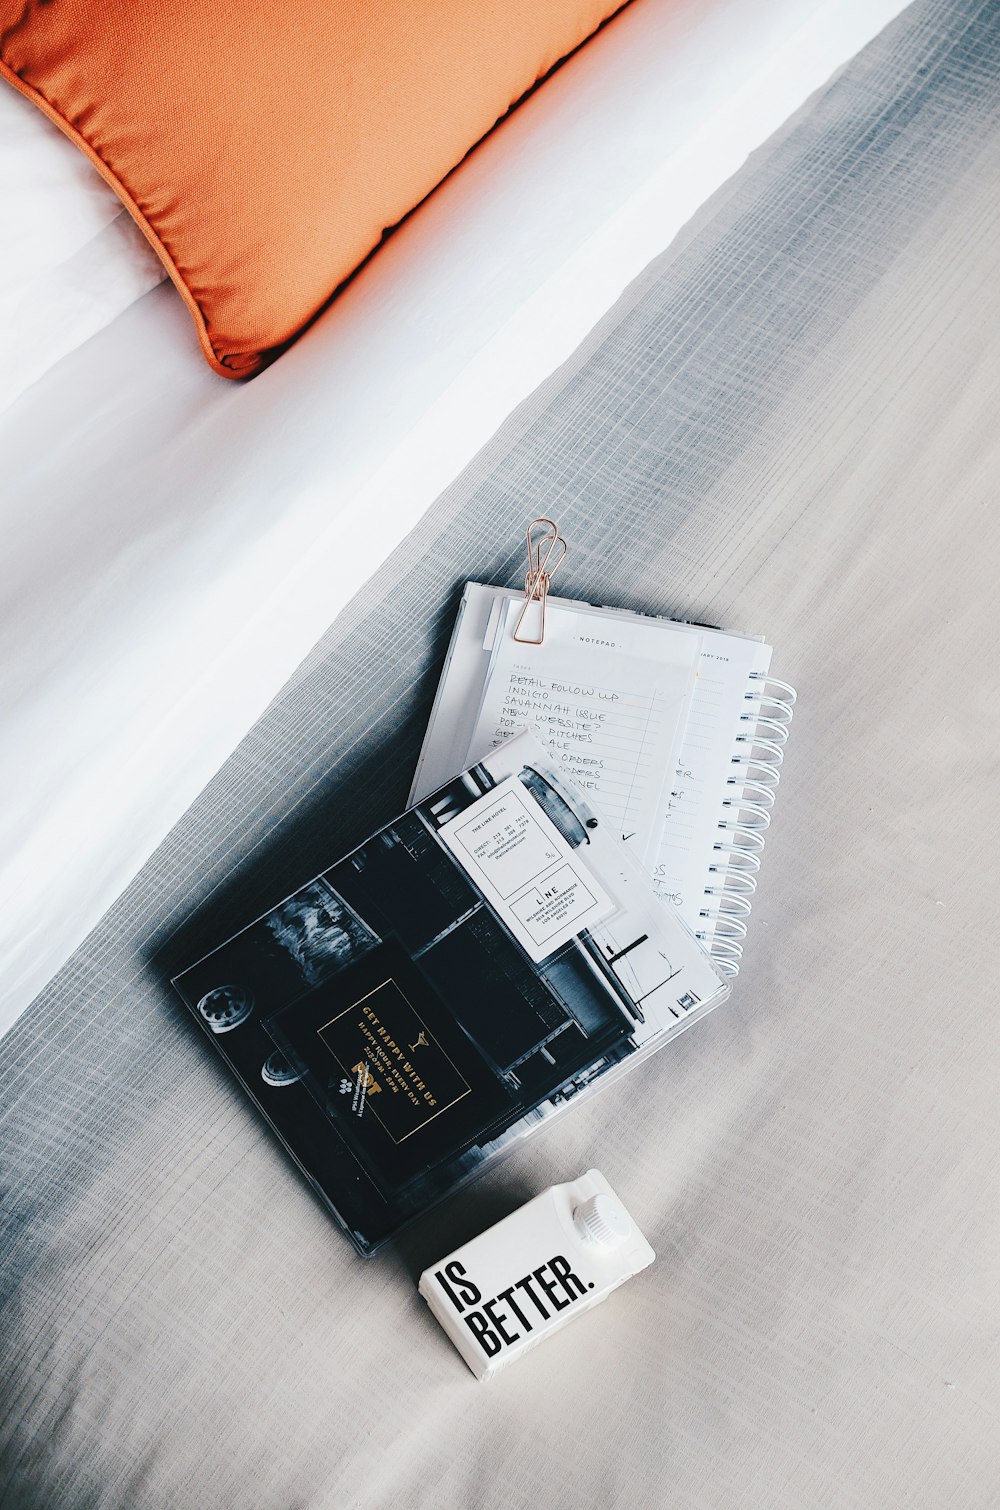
[{"x": 608, "y": 700}]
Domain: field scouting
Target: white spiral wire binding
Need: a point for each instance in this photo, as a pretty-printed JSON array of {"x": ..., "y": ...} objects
[
  {"x": 766, "y": 772},
  {"x": 763, "y": 791},
  {"x": 726, "y": 927},
  {"x": 774, "y": 747},
  {"x": 733, "y": 882},
  {"x": 728, "y": 905},
  {"x": 783, "y": 709},
  {"x": 759, "y": 817},
  {"x": 746, "y": 815}
]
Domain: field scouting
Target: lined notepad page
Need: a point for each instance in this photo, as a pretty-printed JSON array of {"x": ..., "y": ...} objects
[
  {"x": 610, "y": 697},
  {"x": 723, "y": 708}
]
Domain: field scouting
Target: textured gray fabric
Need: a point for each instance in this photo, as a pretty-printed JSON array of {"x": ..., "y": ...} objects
[{"x": 788, "y": 424}]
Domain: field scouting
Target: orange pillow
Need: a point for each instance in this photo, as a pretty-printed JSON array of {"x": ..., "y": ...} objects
[{"x": 264, "y": 148}]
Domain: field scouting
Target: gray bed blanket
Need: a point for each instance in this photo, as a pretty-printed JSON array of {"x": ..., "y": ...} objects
[{"x": 790, "y": 425}]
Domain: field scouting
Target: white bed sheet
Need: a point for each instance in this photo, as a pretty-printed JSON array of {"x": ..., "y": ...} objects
[
  {"x": 175, "y": 543},
  {"x": 71, "y": 257}
]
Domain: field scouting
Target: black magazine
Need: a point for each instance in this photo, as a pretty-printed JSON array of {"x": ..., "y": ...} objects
[{"x": 449, "y": 985}]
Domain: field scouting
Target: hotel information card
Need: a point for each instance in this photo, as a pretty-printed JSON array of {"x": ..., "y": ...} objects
[{"x": 526, "y": 870}]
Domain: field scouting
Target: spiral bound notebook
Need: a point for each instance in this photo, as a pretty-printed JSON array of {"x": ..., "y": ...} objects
[{"x": 676, "y": 730}]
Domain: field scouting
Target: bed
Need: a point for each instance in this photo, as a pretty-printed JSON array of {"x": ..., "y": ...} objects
[
  {"x": 175, "y": 543},
  {"x": 786, "y": 422}
]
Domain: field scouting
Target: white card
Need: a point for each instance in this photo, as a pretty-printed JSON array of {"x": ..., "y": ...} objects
[{"x": 537, "y": 883}]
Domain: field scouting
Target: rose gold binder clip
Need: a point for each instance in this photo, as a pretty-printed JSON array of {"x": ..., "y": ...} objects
[{"x": 546, "y": 550}]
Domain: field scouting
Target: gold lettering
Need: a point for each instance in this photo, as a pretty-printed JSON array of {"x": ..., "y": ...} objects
[{"x": 364, "y": 1074}]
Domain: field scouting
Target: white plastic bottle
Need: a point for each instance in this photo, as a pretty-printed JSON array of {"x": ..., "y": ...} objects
[{"x": 518, "y": 1282}]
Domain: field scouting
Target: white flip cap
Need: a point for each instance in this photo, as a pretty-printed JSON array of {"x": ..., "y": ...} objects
[{"x": 603, "y": 1219}]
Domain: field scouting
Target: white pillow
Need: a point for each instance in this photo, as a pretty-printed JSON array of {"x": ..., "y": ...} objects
[{"x": 71, "y": 257}]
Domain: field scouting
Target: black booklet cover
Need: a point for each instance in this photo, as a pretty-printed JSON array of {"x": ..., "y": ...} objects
[{"x": 447, "y": 986}]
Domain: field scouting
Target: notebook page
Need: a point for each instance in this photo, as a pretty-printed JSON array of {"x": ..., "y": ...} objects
[
  {"x": 719, "y": 714},
  {"x": 609, "y": 698}
]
